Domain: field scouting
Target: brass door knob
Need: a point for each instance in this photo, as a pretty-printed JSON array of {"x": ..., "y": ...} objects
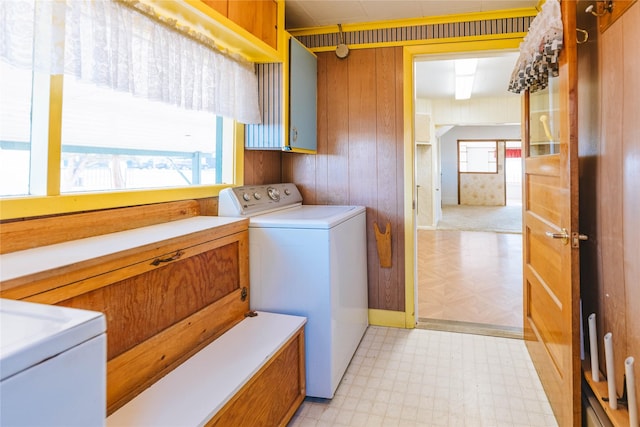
[{"x": 564, "y": 235}]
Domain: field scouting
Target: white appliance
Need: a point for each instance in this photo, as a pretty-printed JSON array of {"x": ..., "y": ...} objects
[
  {"x": 311, "y": 261},
  {"x": 52, "y": 365}
]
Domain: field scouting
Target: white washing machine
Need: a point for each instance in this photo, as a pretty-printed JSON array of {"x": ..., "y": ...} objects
[
  {"x": 53, "y": 365},
  {"x": 311, "y": 261}
]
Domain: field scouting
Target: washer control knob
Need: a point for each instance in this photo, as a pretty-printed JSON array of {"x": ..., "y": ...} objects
[
  {"x": 246, "y": 197},
  {"x": 257, "y": 196},
  {"x": 273, "y": 193},
  {"x": 287, "y": 192}
]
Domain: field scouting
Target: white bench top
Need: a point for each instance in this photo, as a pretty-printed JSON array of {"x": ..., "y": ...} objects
[
  {"x": 193, "y": 392},
  {"x": 22, "y": 263}
]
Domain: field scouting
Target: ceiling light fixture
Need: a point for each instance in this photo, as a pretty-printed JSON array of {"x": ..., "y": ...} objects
[
  {"x": 464, "y": 67},
  {"x": 464, "y": 84},
  {"x": 465, "y": 74}
]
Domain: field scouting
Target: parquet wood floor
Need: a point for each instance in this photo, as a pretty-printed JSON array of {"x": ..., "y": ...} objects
[{"x": 470, "y": 276}]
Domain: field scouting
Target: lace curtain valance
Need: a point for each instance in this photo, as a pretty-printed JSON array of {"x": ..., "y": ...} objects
[
  {"x": 110, "y": 44},
  {"x": 540, "y": 50}
]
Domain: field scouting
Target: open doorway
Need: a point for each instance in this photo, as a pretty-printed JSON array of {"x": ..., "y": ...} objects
[{"x": 469, "y": 275}]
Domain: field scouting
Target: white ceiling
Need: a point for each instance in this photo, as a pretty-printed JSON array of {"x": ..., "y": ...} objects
[
  {"x": 493, "y": 72},
  {"x": 318, "y": 13},
  {"x": 435, "y": 77}
]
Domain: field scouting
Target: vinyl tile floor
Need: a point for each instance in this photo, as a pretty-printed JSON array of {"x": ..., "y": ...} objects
[{"x": 417, "y": 377}]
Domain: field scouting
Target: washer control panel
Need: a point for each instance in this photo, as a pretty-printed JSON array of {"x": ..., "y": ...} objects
[{"x": 256, "y": 199}]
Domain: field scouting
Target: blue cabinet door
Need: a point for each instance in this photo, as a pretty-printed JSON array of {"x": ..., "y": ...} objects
[{"x": 303, "y": 96}]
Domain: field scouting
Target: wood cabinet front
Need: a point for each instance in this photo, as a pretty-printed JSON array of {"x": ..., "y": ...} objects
[
  {"x": 259, "y": 17},
  {"x": 218, "y": 5},
  {"x": 166, "y": 290}
]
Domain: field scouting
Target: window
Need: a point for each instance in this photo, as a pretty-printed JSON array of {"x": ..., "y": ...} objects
[
  {"x": 124, "y": 142},
  {"x": 15, "y": 129},
  {"x": 99, "y": 97},
  {"x": 478, "y": 156},
  {"x": 16, "y": 90},
  {"x": 112, "y": 140}
]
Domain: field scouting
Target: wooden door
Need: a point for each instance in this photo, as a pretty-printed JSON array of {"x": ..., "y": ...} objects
[{"x": 551, "y": 262}]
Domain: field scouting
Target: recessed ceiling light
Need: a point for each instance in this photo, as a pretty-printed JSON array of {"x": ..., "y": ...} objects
[
  {"x": 464, "y": 84},
  {"x": 465, "y": 73},
  {"x": 465, "y": 67}
]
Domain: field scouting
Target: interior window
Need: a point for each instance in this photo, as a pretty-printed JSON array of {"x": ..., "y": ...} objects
[{"x": 478, "y": 156}]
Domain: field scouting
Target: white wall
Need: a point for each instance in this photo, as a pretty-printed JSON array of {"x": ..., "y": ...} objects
[
  {"x": 477, "y": 111},
  {"x": 449, "y": 152},
  {"x": 450, "y": 120},
  {"x": 426, "y": 166},
  {"x": 424, "y": 180}
]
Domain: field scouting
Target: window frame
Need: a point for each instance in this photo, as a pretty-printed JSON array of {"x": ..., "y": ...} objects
[
  {"x": 56, "y": 203},
  {"x": 480, "y": 141}
]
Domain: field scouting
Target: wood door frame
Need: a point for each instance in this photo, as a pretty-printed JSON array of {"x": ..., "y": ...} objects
[{"x": 500, "y": 42}]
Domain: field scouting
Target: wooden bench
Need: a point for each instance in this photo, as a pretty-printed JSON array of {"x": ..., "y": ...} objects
[
  {"x": 175, "y": 294},
  {"x": 227, "y": 382}
]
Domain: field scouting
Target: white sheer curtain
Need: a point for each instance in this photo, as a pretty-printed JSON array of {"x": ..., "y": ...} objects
[
  {"x": 539, "y": 52},
  {"x": 16, "y": 32},
  {"x": 113, "y": 45}
]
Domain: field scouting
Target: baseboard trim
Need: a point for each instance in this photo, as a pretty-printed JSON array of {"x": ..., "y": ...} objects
[
  {"x": 470, "y": 328},
  {"x": 426, "y": 227},
  {"x": 394, "y": 319}
]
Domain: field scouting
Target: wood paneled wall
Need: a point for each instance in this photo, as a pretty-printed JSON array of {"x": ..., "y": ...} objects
[
  {"x": 609, "y": 138},
  {"x": 360, "y": 155},
  {"x": 261, "y": 167}
]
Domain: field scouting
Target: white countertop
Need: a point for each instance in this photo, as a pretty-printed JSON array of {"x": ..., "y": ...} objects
[{"x": 30, "y": 261}]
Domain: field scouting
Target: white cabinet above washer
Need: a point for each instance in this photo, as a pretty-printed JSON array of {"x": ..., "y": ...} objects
[{"x": 288, "y": 103}]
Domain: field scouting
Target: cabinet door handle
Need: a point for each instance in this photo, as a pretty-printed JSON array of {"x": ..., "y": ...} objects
[
  {"x": 294, "y": 131},
  {"x": 173, "y": 257}
]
